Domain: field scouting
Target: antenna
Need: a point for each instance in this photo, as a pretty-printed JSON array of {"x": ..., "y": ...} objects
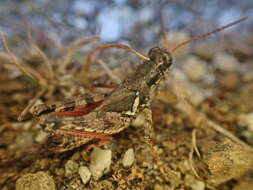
[{"x": 208, "y": 33}]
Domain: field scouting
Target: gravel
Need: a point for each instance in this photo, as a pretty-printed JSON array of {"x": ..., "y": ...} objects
[{"x": 100, "y": 162}]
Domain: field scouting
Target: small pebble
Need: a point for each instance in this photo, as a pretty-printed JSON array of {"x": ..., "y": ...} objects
[
  {"x": 174, "y": 177},
  {"x": 71, "y": 167},
  {"x": 41, "y": 137},
  {"x": 226, "y": 62},
  {"x": 194, "y": 94},
  {"x": 36, "y": 181},
  {"x": 195, "y": 68},
  {"x": 139, "y": 121},
  {"x": 246, "y": 119},
  {"x": 226, "y": 160},
  {"x": 198, "y": 185},
  {"x": 85, "y": 174},
  {"x": 100, "y": 162},
  {"x": 179, "y": 75},
  {"x": 128, "y": 158},
  {"x": 158, "y": 187},
  {"x": 229, "y": 81},
  {"x": 194, "y": 184}
]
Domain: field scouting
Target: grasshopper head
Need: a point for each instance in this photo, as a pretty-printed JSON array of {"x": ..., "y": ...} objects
[{"x": 160, "y": 56}]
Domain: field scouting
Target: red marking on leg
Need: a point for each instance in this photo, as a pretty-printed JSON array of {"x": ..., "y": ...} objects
[
  {"x": 84, "y": 134},
  {"x": 103, "y": 138},
  {"x": 101, "y": 142},
  {"x": 79, "y": 111}
]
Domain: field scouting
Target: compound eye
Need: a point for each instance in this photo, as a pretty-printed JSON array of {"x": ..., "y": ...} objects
[{"x": 155, "y": 54}]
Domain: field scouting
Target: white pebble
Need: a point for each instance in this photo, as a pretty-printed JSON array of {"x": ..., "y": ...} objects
[
  {"x": 139, "y": 121},
  {"x": 195, "y": 68},
  {"x": 71, "y": 167},
  {"x": 100, "y": 162},
  {"x": 226, "y": 62},
  {"x": 246, "y": 119},
  {"x": 198, "y": 185},
  {"x": 85, "y": 174},
  {"x": 128, "y": 158}
]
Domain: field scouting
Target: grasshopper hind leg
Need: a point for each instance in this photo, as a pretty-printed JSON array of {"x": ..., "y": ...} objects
[{"x": 67, "y": 139}]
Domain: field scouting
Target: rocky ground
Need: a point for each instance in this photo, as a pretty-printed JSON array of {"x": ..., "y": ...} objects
[{"x": 202, "y": 118}]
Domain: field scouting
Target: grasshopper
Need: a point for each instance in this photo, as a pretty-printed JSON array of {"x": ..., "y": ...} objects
[{"x": 89, "y": 118}]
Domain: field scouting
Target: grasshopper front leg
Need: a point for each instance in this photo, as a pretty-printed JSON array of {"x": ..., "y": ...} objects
[
  {"x": 148, "y": 130},
  {"x": 148, "y": 122}
]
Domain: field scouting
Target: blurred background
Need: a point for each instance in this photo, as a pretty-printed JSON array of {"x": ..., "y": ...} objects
[
  {"x": 135, "y": 21},
  {"x": 212, "y": 75}
]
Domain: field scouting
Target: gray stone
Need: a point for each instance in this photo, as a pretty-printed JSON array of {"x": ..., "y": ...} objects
[{"x": 36, "y": 181}]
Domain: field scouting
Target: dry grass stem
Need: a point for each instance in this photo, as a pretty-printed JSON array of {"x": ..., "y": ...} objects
[
  {"x": 115, "y": 78},
  {"x": 74, "y": 47},
  {"x": 16, "y": 62},
  {"x": 193, "y": 148},
  {"x": 21, "y": 117},
  {"x": 42, "y": 54},
  {"x": 199, "y": 119},
  {"x": 165, "y": 39}
]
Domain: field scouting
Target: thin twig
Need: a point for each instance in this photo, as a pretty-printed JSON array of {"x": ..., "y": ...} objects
[
  {"x": 198, "y": 118},
  {"x": 109, "y": 72},
  {"x": 228, "y": 134},
  {"x": 32, "y": 102},
  {"x": 165, "y": 39},
  {"x": 77, "y": 44},
  {"x": 42, "y": 54},
  {"x": 74, "y": 47},
  {"x": 6, "y": 57},
  {"x": 194, "y": 142},
  {"x": 193, "y": 147},
  {"x": 17, "y": 64}
]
